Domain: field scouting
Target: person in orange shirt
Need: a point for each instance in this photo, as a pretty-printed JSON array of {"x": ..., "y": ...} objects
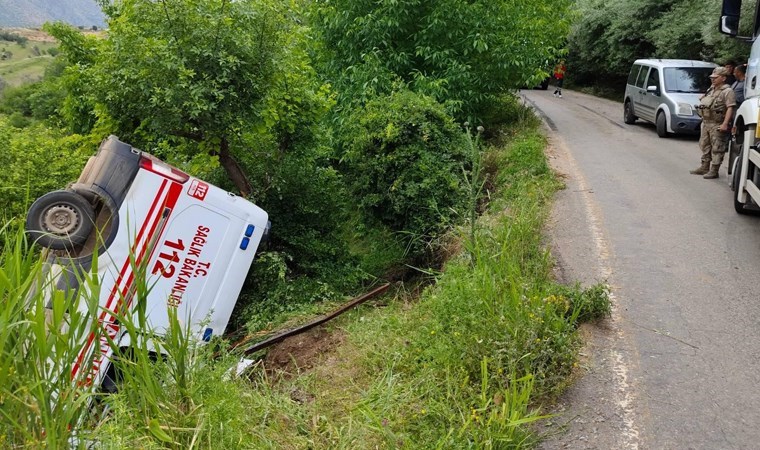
[{"x": 559, "y": 75}]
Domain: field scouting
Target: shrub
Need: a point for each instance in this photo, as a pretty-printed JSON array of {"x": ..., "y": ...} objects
[
  {"x": 37, "y": 160},
  {"x": 307, "y": 258},
  {"x": 37, "y": 100},
  {"x": 405, "y": 159},
  {"x": 306, "y": 206}
]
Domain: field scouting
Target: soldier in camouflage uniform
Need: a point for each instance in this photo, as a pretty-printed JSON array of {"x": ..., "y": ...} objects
[{"x": 716, "y": 108}]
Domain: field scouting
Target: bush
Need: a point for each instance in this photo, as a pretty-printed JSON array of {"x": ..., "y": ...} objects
[
  {"x": 306, "y": 205},
  {"x": 40, "y": 101},
  {"x": 13, "y": 37},
  {"x": 405, "y": 161},
  {"x": 307, "y": 257},
  {"x": 36, "y": 160}
]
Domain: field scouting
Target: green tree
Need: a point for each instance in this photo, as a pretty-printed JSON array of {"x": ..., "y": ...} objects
[
  {"x": 36, "y": 160},
  {"x": 461, "y": 53},
  {"x": 188, "y": 74},
  {"x": 610, "y": 34},
  {"x": 79, "y": 52}
]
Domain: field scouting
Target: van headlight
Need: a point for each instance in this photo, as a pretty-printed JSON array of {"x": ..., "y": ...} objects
[{"x": 685, "y": 109}]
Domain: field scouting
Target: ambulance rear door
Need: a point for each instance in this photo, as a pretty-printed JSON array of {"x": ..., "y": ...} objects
[{"x": 202, "y": 259}]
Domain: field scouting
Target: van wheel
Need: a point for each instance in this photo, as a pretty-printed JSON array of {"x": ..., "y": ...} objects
[
  {"x": 628, "y": 116},
  {"x": 662, "y": 125},
  {"x": 60, "y": 220}
]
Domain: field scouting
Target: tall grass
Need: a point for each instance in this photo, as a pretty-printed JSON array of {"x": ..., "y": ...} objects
[
  {"x": 171, "y": 392},
  {"x": 470, "y": 362},
  {"x": 40, "y": 332}
]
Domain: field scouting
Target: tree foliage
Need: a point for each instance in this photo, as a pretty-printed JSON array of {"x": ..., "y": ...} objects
[
  {"x": 609, "y": 35},
  {"x": 406, "y": 163},
  {"x": 37, "y": 160},
  {"x": 461, "y": 53},
  {"x": 191, "y": 72}
]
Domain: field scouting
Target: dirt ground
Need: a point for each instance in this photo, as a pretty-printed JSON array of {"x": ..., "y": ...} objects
[
  {"x": 303, "y": 352},
  {"x": 31, "y": 34}
]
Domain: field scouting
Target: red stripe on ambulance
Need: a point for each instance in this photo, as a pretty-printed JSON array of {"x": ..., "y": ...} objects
[{"x": 121, "y": 293}]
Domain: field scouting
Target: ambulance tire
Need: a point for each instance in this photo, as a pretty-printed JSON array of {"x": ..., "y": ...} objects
[{"x": 60, "y": 220}]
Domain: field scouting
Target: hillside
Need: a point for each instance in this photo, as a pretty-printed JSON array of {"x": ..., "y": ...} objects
[{"x": 34, "y": 13}]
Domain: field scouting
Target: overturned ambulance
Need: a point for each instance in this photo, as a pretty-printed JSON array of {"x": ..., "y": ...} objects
[{"x": 195, "y": 242}]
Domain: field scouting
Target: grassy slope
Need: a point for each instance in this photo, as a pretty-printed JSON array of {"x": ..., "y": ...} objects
[
  {"x": 24, "y": 66},
  {"x": 463, "y": 365}
]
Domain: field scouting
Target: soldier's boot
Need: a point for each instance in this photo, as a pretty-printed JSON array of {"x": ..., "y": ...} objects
[
  {"x": 713, "y": 173},
  {"x": 701, "y": 170}
]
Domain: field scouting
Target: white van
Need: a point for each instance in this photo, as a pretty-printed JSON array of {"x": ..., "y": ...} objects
[
  {"x": 196, "y": 241},
  {"x": 664, "y": 92}
]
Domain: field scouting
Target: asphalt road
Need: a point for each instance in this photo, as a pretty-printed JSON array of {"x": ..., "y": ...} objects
[{"x": 676, "y": 367}]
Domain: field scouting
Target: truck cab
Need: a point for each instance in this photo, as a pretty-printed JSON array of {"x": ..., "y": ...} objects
[{"x": 743, "y": 165}]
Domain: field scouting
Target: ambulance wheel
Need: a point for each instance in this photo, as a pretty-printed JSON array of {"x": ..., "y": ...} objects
[{"x": 60, "y": 220}]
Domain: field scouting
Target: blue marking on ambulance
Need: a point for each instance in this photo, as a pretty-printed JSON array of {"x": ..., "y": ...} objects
[{"x": 244, "y": 243}]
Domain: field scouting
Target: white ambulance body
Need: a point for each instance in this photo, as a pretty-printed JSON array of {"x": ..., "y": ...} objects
[{"x": 195, "y": 240}]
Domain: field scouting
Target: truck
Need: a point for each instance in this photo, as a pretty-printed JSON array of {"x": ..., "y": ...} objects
[
  {"x": 744, "y": 157},
  {"x": 130, "y": 215}
]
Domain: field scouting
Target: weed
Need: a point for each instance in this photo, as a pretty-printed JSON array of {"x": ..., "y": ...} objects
[
  {"x": 462, "y": 367},
  {"x": 474, "y": 180},
  {"x": 40, "y": 328}
]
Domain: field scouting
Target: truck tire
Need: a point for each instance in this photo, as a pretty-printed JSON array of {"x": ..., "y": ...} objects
[
  {"x": 662, "y": 125},
  {"x": 60, "y": 220},
  {"x": 628, "y": 116},
  {"x": 733, "y": 153},
  {"x": 743, "y": 208}
]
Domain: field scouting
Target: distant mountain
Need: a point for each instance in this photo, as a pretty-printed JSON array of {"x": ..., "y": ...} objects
[{"x": 33, "y": 13}]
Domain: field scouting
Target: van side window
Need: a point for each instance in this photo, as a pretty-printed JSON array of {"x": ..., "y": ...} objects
[
  {"x": 642, "y": 77},
  {"x": 633, "y": 74},
  {"x": 654, "y": 78}
]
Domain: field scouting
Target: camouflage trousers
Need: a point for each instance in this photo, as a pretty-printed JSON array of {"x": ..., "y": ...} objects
[{"x": 713, "y": 143}]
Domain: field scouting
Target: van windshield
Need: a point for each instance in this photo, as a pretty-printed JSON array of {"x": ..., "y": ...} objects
[{"x": 691, "y": 80}]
